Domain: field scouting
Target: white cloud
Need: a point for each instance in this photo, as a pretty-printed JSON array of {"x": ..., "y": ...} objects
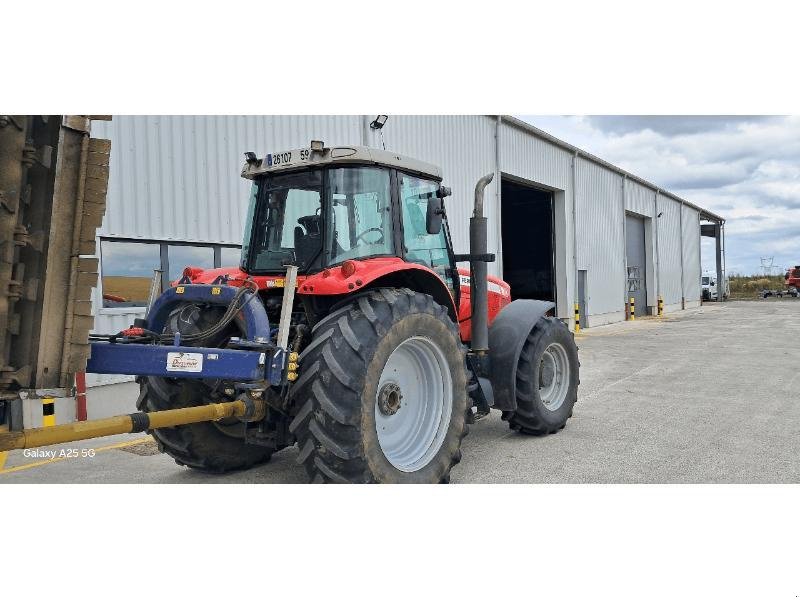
[{"x": 746, "y": 169}]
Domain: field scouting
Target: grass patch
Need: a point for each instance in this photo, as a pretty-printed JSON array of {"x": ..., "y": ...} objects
[{"x": 750, "y": 286}]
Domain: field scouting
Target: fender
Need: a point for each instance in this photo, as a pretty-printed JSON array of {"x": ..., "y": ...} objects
[
  {"x": 378, "y": 272},
  {"x": 360, "y": 275},
  {"x": 507, "y": 335}
]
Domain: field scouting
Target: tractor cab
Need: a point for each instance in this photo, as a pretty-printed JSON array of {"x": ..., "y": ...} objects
[{"x": 317, "y": 209}]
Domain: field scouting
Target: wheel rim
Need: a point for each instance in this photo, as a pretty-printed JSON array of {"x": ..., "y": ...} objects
[
  {"x": 413, "y": 404},
  {"x": 553, "y": 376}
]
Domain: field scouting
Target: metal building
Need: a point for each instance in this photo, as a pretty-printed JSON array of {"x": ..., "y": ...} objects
[{"x": 565, "y": 225}]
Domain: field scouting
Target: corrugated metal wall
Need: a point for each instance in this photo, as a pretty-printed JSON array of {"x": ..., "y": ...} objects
[
  {"x": 691, "y": 254},
  {"x": 639, "y": 199},
  {"x": 601, "y": 238},
  {"x": 177, "y": 178},
  {"x": 669, "y": 249}
]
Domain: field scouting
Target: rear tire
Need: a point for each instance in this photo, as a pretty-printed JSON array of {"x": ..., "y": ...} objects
[
  {"x": 382, "y": 394},
  {"x": 547, "y": 380},
  {"x": 213, "y": 447},
  {"x": 205, "y": 446}
]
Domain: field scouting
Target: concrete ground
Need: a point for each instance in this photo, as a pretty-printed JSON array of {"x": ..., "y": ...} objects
[{"x": 701, "y": 396}]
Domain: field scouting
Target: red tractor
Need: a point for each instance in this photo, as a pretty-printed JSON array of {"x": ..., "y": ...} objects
[
  {"x": 347, "y": 329},
  {"x": 792, "y": 279}
]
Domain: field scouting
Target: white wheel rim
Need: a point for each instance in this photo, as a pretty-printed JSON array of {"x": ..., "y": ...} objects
[
  {"x": 413, "y": 404},
  {"x": 553, "y": 376}
]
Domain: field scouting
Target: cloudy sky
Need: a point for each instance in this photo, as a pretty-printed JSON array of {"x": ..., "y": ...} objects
[{"x": 746, "y": 169}]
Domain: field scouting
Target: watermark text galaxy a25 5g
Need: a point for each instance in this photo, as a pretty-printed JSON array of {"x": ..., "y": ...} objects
[{"x": 60, "y": 453}]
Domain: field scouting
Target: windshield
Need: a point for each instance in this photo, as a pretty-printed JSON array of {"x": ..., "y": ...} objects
[{"x": 318, "y": 218}]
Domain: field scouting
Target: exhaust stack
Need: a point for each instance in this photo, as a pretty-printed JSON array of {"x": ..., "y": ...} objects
[{"x": 478, "y": 257}]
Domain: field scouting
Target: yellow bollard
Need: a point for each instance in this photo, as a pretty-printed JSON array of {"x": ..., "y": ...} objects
[
  {"x": 660, "y": 306},
  {"x": 577, "y": 318},
  {"x": 633, "y": 309},
  {"x": 48, "y": 412}
]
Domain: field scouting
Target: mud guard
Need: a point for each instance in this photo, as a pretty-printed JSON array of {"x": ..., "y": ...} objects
[{"x": 507, "y": 335}]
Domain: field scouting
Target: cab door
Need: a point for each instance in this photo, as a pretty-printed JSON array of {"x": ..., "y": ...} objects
[{"x": 419, "y": 246}]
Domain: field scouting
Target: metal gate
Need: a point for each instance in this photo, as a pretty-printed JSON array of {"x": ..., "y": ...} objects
[{"x": 636, "y": 284}]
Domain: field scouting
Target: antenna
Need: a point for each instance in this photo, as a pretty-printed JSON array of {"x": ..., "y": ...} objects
[{"x": 767, "y": 264}]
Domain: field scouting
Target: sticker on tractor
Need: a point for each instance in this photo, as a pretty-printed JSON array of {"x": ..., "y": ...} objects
[
  {"x": 186, "y": 362},
  {"x": 496, "y": 288},
  {"x": 276, "y": 283}
]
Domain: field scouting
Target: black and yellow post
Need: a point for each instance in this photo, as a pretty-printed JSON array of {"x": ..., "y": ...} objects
[
  {"x": 48, "y": 412},
  {"x": 633, "y": 309},
  {"x": 577, "y": 318},
  {"x": 3, "y": 455},
  {"x": 660, "y": 306}
]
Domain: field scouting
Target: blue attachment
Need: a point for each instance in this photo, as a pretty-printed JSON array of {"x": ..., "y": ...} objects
[
  {"x": 255, "y": 316},
  {"x": 179, "y": 361},
  {"x": 264, "y": 361}
]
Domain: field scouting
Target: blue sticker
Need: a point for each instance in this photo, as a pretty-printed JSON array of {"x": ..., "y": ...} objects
[{"x": 269, "y": 160}]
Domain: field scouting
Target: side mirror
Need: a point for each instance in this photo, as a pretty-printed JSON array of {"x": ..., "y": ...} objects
[{"x": 433, "y": 218}]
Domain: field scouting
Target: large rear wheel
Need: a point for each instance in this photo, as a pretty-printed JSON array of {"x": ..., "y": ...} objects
[{"x": 382, "y": 392}]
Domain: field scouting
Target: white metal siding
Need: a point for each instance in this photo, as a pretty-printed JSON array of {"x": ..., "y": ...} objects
[
  {"x": 691, "y": 254},
  {"x": 669, "y": 249},
  {"x": 177, "y": 177},
  {"x": 535, "y": 159},
  {"x": 639, "y": 199},
  {"x": 601, "y": 239}
]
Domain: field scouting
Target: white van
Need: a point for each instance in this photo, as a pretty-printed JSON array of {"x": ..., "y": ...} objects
[{"x": 708, "y": 283}]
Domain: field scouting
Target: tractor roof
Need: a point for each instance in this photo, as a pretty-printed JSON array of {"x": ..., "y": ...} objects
[{"x": 305, "y": 158}]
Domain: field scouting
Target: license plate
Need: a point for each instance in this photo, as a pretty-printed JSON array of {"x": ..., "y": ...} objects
[
  {"x": 287, "y": 158},
  {"x": 185, "y": 362}
]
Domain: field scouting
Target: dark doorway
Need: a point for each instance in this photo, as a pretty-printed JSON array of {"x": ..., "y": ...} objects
[{"x": 528, "y": 243}]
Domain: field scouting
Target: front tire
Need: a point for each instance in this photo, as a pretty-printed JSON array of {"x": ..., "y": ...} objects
[
  {"x": 382, "y": 393},
  {"x": 547, "y": 380}
]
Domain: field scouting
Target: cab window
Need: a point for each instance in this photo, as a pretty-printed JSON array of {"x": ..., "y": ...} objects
[
  {"x": 422, "y": 247},
  {"x": 361, "y": 217}
]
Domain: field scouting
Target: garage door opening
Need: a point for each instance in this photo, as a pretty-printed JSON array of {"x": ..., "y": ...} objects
[{"x": 528, "y": 241}]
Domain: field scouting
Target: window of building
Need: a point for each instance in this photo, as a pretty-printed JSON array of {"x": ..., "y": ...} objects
[
  {"x": 180, "y": 257},
  {"x": 127, "y": 271},
  {"x": 230, "y": 256},
  {"x": 127, "y": 266}
]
